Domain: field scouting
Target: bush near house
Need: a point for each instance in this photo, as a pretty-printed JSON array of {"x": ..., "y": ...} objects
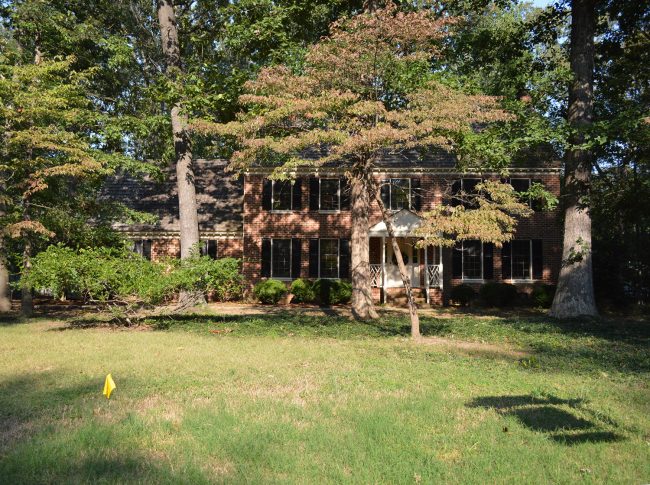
[
  {"x": 498, "y": 295},
  {"x": 462, "y": 294},
  {"x": 302, "y": 291},
  {"x": 270, "y": 292},
  {"x": 542, "y": 295},
  {"x": 331, "y": 292},
  {"x": 101, "y": 274}
]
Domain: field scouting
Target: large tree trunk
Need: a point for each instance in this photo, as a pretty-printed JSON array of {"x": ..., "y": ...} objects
[
  {"x": 360, "y": 198},
  {"x": 575, "y": 290},
  {"x": 187, "y": 206},
  {"x": 406, "y": 280},
  {"x": 5, "y": 301},
  {"x": 26, "y": 301}
]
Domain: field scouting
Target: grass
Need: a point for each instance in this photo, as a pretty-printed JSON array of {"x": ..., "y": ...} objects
[{"x": 295, "y": 398}]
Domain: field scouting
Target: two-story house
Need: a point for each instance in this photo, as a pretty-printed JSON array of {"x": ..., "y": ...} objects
[{"x": 301, "y": 228}]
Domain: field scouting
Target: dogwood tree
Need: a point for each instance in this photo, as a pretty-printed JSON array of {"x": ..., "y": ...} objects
[{"x": 366, "y": 90}]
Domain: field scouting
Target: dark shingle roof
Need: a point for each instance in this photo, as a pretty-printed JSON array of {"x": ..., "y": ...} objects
[{"x": 219, "y": 195}]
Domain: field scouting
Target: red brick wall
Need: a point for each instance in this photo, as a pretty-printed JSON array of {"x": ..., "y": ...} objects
[{"x": 228, "y": 247}]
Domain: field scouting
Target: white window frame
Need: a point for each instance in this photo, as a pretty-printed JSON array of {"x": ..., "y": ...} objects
[
  {"x": 390, "y": 194},
  {"x": 338, "y": 195},
  {"x": 462, "y": 264},
  {"x": 141, "y": 251},
  {"x": 204, "y": 247},
  {"x": 281, "y": 211},
  {"x": 338, "y": 258},
  {"x": 282, "y": 278},
  {"x": 530, "y": 264}
]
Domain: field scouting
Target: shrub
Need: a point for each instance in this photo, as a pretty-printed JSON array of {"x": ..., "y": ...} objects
[
  {"x": 542, "y": 295},
  {"x": 331, "y": 292},
  {"x": 498, "y": 295},
  {"x": 462, "y": 294},
  {"x": 270, "y": 291},
  {"x": 219, "y": 277},
  {"x": 303, "y": 291}
]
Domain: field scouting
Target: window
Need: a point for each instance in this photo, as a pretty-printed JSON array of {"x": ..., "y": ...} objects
[
  {"x": 400, "y": 194},
  {"x": 462, "y": 191},
  {"x": 329, "y": 258},
  {"x": 281, "y": 258},
  {"x": 330, "y": 194},
  {"x": 209, "y": 248},
  {"x": 521, "y": 259},
  {"x": 472, "y": 260},
  {"x": 282, "y": 195},
  {"x": 142, "y": 247}
]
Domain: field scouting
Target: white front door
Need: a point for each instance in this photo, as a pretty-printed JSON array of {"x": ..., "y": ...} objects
[{"x": 411, "y": 260}]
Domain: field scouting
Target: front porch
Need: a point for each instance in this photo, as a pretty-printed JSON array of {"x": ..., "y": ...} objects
[{"x": 424, "y": 266}]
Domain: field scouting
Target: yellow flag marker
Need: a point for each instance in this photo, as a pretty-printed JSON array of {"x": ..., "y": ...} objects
[{"x": 109, "y": 386}]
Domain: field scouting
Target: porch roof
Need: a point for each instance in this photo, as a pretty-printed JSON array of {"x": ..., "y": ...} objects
[{"x": 405, "y": 223}]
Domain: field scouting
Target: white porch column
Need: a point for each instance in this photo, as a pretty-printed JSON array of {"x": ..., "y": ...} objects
[
  {"x": 383, "y": 269},
  {"x": 426, "y": 273},
  {"x": 442, "y": 279}
]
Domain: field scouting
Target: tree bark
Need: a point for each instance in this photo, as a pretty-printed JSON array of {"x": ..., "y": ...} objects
[
  {"x": 5, "y": 300},
  {"x": 187, "y": 205},
  {"x": 575, "y": 291},
  {"x": 26, "y": 300},
  {"x": 363, "y": 307},
  {"x": 406, "y": 280}
]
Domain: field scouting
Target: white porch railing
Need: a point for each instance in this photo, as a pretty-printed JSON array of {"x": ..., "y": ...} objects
[
  {"x": 434, "y": 273},
  {"x": 375, "y": 275}
]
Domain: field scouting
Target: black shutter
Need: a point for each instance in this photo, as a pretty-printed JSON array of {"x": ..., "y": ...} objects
[
  {"x": 313, "y": 258},
  {"x": 536, "y": 204},
  {"x": 506, "y": 260},
  {"x": 457, "y": 261},
  {"x": 344, "y": 259},
  {"x": 416, "y": 195},
  {"x": 297, "y": 195},
  {"x": 266, "y": 194},
  {"x": 385, "y": 193},
  {"x": 146, "y": 249},
  {"x": 538, "y": 259},
  {"x": 212, "y": 249},
  {"x": 488, "y": 261},
  {"x": 345, "y": 194},
  {"x": 314, "y": 189},
  {"x": 266, "y": 258},
  {"x": 296, "y": 253},
  {"x": 456, "y": 188}
]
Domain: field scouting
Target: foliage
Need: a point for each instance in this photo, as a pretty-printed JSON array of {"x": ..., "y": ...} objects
[
  {"x": 498, "y": 295},
  {"x": 462, "y": 294},
  {"x": 542, "y": 295},
  {"x": 302, "y": 291},
  {"x": 102, "y": 274},
  {"x": 219, "y": 278},
  {"x": 270, "y": 291},
  {"x": 332, "y": 292},
  {"x": 490, "y": 214}
]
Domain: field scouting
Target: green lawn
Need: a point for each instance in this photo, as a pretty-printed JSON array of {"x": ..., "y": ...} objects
[{"x": 302, "y": 399}]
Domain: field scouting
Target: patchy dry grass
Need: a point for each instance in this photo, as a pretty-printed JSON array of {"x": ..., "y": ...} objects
[{"x": 300, "y": 398}]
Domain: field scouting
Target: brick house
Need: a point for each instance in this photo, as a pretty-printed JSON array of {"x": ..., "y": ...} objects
[{"x": 286, "y": 230}]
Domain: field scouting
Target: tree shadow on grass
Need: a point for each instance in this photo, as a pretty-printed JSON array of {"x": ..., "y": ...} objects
[{"x": 554, "y": 417}]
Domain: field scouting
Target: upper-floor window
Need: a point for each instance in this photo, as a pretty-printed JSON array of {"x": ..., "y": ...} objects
[
  {"x": 142, "y": 247},
  {"x": 463, "y": 192},
  {"x": 209, "y": 248},
  {"x": 401, "y": 193},
  {"x": 330, "y": 194},
  {"x": 521, "y": 185},
  {"x": 282, "y": 195}
]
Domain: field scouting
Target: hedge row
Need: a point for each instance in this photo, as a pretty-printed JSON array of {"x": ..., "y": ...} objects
[
  {"x": 322, "y": 291},
  {"x": 501, "y": 295}
]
